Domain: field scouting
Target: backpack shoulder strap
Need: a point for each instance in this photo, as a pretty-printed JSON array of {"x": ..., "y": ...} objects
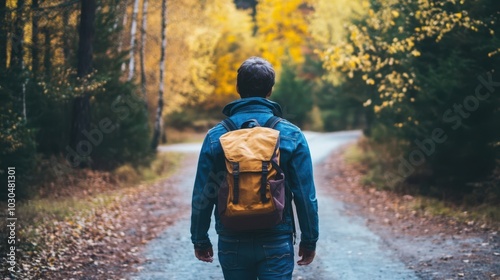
[
  {"x": 272, "y": 122},
  {"x": 229, "y": 125}
]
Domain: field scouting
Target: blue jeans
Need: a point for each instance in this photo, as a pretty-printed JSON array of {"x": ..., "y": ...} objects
[{"x": 249, "y": 258}]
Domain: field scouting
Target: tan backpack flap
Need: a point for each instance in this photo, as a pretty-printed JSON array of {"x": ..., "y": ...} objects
[{"x": 248, "y": 145}]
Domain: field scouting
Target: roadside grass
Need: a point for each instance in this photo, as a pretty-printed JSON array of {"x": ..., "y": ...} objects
[
  {"x": 187, "y": 135},
  {"x": 370, "y": 163},
  {"x": 374, "y": 163},
  {"x": 85, "y": 191},
  {"x": 482, "y": 216}
]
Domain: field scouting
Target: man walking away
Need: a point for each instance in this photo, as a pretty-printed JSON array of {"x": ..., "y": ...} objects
[{"x": 249, "y": 249}]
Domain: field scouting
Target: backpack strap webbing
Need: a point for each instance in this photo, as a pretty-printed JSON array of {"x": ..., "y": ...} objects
[
  {"x": 263, "y": 183},
  {"x": 236, "y": 178},
  {"x": 229, "y": 125},
  {"x": 272, "y": 122}
]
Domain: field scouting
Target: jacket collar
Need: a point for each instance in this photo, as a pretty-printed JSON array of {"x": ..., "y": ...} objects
[{"x": 252, "y": 104}]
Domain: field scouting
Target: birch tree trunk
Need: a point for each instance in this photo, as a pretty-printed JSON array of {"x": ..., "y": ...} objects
[
  {"x": 143, "y": 48},
  {"x": 159, "y": 110},
  {"x": 133, "y": 41}
]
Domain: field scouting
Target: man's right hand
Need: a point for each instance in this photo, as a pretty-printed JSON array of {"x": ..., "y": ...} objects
[{"x": 204, "y": 255}]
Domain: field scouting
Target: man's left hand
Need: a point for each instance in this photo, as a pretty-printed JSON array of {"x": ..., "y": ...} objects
[
  {"x": 307, "y": 256},
  {"x": 204, "y": 255}
]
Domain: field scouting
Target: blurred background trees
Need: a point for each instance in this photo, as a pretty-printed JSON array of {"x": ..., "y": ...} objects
[
  {"x": 422, "y": 68},
  {"x": 406, "y": 72}
]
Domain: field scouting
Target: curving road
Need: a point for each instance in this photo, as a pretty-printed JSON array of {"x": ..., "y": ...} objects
[{"x": 347, "y": 248}]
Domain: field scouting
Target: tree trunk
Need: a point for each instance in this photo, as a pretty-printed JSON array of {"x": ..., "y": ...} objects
[
  {"x": 17, "y": 52},
  {"x": 120, "y": 40},
  {"x": 117, "y": 12},
  {"x": 65, "y": 40},
  {"x": 3, "y": 37},
  {"x": 35, "y": 61},
  {"x": 124, "y": 24},
  {"x": 17, "y": 58},
  {"x": 86, "y": 37},
  {"x": 254, "y": 17},
  {"x": 143, "y": 49},
  {"x": 81, "y": 105},
  {"x": 159, "y": 110},
  {"x": 133, "y": 41},
  {"x": 46, "y": 52}
]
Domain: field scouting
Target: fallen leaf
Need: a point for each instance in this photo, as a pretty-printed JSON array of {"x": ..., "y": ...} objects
[{"x": 447, "y": 257}]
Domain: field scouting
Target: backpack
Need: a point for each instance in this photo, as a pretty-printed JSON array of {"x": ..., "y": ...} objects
[{"x": 252, "y": 193}]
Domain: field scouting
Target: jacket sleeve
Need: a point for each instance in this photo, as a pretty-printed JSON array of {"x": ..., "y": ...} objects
[
  {"x": 203, "y": 200},
  {"x": 303, "y": 189}
]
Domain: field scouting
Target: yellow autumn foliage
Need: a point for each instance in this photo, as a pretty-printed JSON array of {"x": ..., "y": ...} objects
[
  {"x": 282, "y": 29},
  {"x": 197, "y": 69},
  {"x": 360, "y": 51},
  {"x": 327, "y": 25}
]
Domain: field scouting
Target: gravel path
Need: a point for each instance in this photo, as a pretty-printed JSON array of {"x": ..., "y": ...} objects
[{"x": 347, "y": 248}]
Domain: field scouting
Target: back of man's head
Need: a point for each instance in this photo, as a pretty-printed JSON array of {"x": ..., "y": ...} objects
[{"x": 255, "y": 78}]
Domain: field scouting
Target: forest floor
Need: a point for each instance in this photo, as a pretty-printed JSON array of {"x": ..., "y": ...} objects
[
  {"x": 435, "y": 247},
  {"x": 96, "y": 228}
]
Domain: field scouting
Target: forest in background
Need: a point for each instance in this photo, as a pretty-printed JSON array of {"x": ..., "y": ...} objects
[{"x": 419, "y": 76}]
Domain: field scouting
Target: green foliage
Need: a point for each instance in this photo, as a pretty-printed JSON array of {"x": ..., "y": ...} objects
[
  {"x": 294, "y": 95},
  {"x": 17, "y": 139},
  {"x": 119, "y": 132},
  {"x": 17, "y": 151},
  {"x": 340, "y": 111},
  {"x": 120, "y": 125},
  {"x": 49, "y": 98},
  {"x": 116, "y": 106},
  {"x": 416, "y": 67},
  {"x": 316, "y": 120}
]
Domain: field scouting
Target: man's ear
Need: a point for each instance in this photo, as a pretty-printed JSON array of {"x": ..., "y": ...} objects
[
  {"x": 269, "y": 93},
  {"x": 238, "y": 91}
]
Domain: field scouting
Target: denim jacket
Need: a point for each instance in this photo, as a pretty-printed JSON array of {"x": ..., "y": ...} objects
[{"x": 295, "y": 160}]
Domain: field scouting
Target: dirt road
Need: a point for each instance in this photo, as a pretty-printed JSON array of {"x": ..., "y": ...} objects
[{"x": 347, "y": 248}]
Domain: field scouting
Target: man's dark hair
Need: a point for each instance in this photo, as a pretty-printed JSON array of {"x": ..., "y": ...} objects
[{"x": 255, "y": 77}]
